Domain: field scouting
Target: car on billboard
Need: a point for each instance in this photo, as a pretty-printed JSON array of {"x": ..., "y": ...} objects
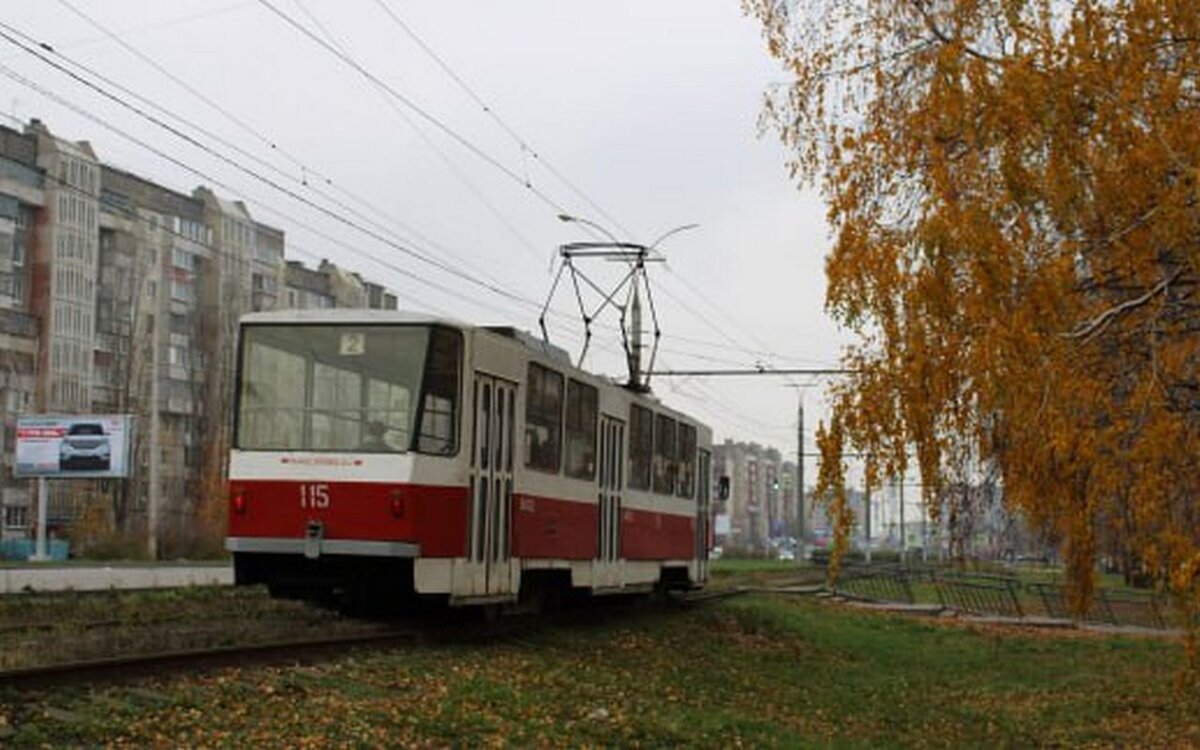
[{"x": 85, "y": 447}]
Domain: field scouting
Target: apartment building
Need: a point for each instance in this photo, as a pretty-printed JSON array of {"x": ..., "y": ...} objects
[
  {"x": 153, "y": 247},
  {"x": 121, "y": 295},
  {"x": 21, "y": 199},
  {"x": 328, "y": 286},
  {"x": 761, "y": 504}
]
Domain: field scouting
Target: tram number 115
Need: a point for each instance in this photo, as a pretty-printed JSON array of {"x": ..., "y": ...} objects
[{"x": 314, "y": 496}]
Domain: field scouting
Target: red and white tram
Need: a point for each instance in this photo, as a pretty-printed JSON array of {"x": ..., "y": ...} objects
[{"x": 385, "y": 454}]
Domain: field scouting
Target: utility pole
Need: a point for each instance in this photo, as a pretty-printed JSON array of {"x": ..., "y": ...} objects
[
  {"x": 153, "y": 496},
  {"x": 800, "y": 479}
]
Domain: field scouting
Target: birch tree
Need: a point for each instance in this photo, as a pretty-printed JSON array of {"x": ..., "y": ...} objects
[{"x": 1013, "y": 190}]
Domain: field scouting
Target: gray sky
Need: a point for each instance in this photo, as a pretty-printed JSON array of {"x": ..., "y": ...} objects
[{"x": 649, "y": 108}]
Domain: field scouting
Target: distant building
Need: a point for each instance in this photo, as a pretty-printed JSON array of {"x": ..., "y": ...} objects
[
  {"x": 329, "y": 286},
  {"x": 120, "y": 295},
  {"x": 266, "y": 268},
  {"x": 758, "y": 505}
]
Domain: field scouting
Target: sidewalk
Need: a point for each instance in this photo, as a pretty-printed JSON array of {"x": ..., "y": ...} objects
[{"x": 14, "y": 580}]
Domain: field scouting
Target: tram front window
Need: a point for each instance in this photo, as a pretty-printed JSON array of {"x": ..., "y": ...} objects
[{"x": 373, "y": 389}]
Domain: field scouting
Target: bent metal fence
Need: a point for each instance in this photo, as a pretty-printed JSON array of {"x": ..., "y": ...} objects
[
  {"x": 996, "y": 595},
  {"x": 1111, "y": 606},
  {"x": 980, "y": 594},
  {"x": 892, "y": 583}
]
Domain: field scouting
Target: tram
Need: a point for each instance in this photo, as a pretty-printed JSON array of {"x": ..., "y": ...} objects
[{"x": 382, "y": 455}]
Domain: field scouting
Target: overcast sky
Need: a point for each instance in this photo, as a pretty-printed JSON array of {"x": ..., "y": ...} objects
[{"x": 648, "y": 110}]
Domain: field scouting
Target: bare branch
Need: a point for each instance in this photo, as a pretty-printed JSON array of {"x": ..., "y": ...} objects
[
  {"x": 944, "y": 38},
  {"x": 1096, "y": 325}
]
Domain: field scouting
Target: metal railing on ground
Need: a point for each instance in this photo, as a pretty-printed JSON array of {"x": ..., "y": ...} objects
[
  {"x": 992, "y": 594},
  {"x": 1128, "y": 607}
]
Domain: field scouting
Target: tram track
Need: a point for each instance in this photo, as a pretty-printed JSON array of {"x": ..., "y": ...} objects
[
  {"x": 439, "y": 629},
  {"x": 136, "y": 666}
]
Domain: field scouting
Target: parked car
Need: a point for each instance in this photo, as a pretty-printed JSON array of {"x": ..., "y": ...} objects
[{"x": 85, "y": 446}]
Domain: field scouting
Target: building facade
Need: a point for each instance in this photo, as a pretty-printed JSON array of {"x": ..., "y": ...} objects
[
  {"x": 761, "y": 504},
  {"x": 120, "y": 295},
  {"x": 22, "y": 198}
]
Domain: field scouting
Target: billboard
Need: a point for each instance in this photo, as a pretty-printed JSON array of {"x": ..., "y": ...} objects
[{"x": 69, "y": 447}]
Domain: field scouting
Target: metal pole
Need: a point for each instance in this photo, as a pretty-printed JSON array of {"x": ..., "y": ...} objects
[
  {"x": 867, "y": 515},
  {"x": 43, "y": 501},
  {"x": 800, "y": 478},
  {"x": 903, "y": 535},
  {"x": 154, "y": 497},
  {"x": 924, "y": 530}
]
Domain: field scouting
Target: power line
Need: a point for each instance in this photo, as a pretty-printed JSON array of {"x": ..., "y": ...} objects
[
  {"x": 493, "y": 286},
  {"x": 201, "y": 15},
  {"x": 176, "y": 79},
  {"x": 495, "y": 116},
  {"x": 454, "y": 168},
  {"x": 775, "y": 371},
  {"x": 417, "y": 109},
  {"x": 305, "y": 169},
  {"x": 230, "y": 162},
  {"x": 245, "y": 153}
]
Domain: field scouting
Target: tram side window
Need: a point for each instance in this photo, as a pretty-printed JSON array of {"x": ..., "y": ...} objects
[
  {"x": 582, "y": 400},
  {"x": 687, "y": 458},
  {"x": 439, "y": 394},
  {"x": 543, "y": 419},
  {"x": 641, "y": 446},
  {"x": 665, "y": 463}
]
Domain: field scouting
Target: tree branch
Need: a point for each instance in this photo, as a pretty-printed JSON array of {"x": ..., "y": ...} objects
[
  {"x": 1096, "y": 325},
  {"x": 944, "y": 38}
]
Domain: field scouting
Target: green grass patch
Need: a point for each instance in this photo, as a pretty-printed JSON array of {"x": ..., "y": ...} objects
[
  {"x": 735, "y": 566},
  {"x": 755, "y": 671}
]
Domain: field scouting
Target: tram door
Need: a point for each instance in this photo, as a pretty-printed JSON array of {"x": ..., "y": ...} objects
[
  {"x": 704, "y": 504},
  {"x": 612, "y": 479},
  {"x": 492, "y": 484}
]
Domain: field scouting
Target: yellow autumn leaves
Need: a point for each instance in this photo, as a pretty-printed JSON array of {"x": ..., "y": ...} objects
[{"x": 1013, "y": 187}]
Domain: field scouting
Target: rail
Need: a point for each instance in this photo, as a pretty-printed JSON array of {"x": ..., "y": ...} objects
[{"x": 126, "y": 667}]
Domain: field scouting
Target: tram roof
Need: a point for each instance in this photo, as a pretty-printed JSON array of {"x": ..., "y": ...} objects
[{"x": 348, "y": 315}]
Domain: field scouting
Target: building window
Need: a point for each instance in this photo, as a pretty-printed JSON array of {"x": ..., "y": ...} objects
[
  {"x": 666, "y": 467},
  {"x": 177, "y": 356},
  {"x": 543, "y": 419},
  {"x": 641, "y": 446},
  {"x": 181, "y": 291},
  {"x": 16, "y": 517},
  {"x": 582, "y": 401},
  {"x": 180, "y": 324},
  {"x": 183, "y": 259}
]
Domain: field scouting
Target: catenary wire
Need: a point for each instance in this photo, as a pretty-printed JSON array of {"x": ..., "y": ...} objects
[
  {"x": 495, "y": 116},
  {"x": 292, "y": 194}
]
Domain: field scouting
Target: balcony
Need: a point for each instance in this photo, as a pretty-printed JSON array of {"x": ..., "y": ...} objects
[{"x": 17, "y": 323}]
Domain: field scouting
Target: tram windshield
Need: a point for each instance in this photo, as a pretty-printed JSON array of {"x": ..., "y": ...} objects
[{"x": 345, "y": 388}]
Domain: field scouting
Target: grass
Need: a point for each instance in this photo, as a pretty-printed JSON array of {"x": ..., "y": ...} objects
[
  {"x": 733, "y": 567},
  {"x": 755, "y": 671}
]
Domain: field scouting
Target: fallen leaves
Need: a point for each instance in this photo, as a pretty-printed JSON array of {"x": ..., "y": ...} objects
[{"x": 754, "y": 672}]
